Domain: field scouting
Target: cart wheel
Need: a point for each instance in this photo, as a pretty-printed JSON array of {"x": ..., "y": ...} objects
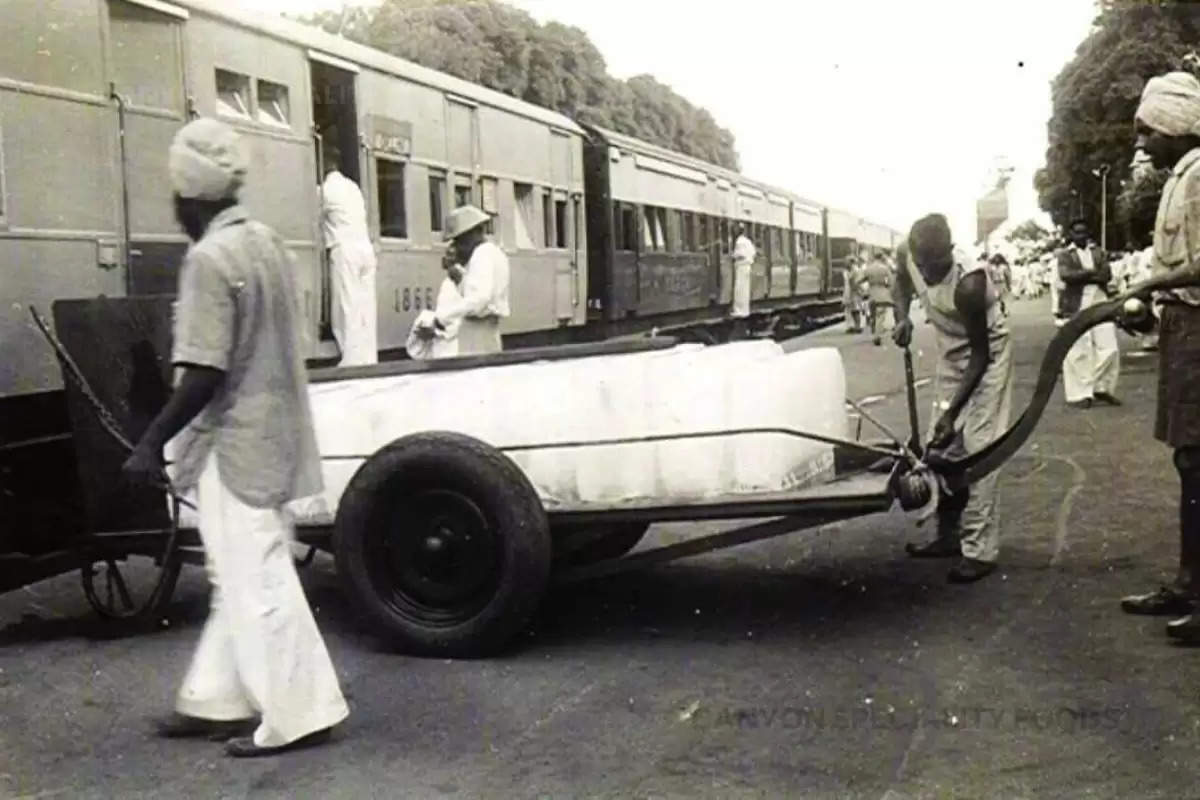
[
  {"x": 130, "y": 587},
  {"x": 619, "y": 540},
  {"x": 443, "y": 543}
]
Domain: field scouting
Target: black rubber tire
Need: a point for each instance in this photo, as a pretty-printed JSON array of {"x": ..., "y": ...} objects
[
  {"x": 621, "y": 540},
  {"x": 429, "y": 473}
]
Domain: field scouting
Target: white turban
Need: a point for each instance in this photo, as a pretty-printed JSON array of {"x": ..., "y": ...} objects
[
  {"x": 206, "y": 161},
  {"x": 1171, "y": 104}
]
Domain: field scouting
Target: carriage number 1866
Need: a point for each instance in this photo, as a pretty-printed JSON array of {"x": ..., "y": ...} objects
[{"x": 413, "y": 300}]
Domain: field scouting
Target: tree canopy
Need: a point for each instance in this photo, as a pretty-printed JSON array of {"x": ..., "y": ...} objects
[
  {"x": 1094, "y": 100},
  {"x": 553, "y": 65}
]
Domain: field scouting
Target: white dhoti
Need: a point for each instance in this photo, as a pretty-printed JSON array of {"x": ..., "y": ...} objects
[
  {"x": 1092, "y": 364},
  {"x": 984, "y": 417},
  {"x": 260, "y": 650},
  {"x": 353, "y": 311}
]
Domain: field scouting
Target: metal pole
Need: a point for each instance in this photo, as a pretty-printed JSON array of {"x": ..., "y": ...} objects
[{"x": 1104, "y": 208}]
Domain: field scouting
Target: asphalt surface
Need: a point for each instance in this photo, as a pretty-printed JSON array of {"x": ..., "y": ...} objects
[{"x": 823, "y": 664}]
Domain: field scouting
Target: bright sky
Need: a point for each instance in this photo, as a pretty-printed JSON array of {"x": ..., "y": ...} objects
[{"x": 888, "y": 109}]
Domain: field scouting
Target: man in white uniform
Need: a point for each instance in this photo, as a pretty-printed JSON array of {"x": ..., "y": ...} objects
[
  {"x": 351, "y": 267},
  {"x": 744, "y": 253},
  {"x": 1093, "y": 363},
  {"x": 484, "y": 289},
  {"x": 246, "y": 444}
]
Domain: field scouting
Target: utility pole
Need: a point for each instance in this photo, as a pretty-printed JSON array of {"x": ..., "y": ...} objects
[{"x": 1102, "y": 174}]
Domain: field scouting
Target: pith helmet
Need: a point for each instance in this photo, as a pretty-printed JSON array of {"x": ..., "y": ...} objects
[{"x": 463, "y": 219}]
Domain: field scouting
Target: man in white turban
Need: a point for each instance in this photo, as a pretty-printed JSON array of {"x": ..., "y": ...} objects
[
  {"x": 1168, "y": 131},
  {"x": 245, "y": 443}
]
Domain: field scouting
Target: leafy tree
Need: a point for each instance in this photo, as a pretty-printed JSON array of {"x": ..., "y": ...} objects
[
  {"x": 1094, "y": 100},
  {"x": 553, "y": 65},
  {"x": 1029, "y": 230},
  {"x": 1137, "y": 207}
]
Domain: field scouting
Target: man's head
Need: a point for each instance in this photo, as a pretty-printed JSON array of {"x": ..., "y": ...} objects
[
  {"x": 465, "y": 230},
  {"x": 1078, "y": 232},
  {"x": 207, "y": 166},
  {"x": 931, "y": 246},
  {"x": 1168, "y": 118}
]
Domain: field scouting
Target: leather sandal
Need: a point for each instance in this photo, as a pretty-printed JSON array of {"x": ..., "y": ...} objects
[
  {"x": 244, "y": 746},
  {"x": 182, "y": 726}
]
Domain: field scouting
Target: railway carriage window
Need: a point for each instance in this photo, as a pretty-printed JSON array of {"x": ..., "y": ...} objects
[
  {"x": 626, "y": 238},
  {"x": 525, "y": 219},
  {"x": 145, "y": 48},
  {"x": 489, "y": 202},
  {"x": 437, "y": 200},
  {"x": 560, "y": 223},
  {"x": 462, "y": 195},
  {"x": 273, "y": 105},
  {"x": 233, "y": 94},
  {"x": 665, "y": 239},
  {"x": 393, "y": 216},
  {"x": 703, "y": 243},
  {"x": 547, "y": 220}
]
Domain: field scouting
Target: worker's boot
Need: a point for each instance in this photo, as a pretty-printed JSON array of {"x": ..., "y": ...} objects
[{"x": 946, "y": 544}]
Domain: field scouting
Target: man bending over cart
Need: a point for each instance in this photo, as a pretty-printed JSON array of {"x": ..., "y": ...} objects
[
  {"x": 973, "y": 388},
  {"x": 248, "y": 446}
]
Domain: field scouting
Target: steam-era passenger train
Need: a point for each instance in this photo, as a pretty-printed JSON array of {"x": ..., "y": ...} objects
[{"x": 606, "y": 235}]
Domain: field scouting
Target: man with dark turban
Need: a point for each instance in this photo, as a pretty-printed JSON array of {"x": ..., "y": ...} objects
[
  {"x": 1168, "y": 131},
  {"x": 246, "y": 445},
  {"x": 973, "y": 388}
]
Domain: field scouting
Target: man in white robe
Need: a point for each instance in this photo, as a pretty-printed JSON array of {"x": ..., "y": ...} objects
[
  {"x": 352, "y": 267},
  {"x": 245, "y": 443},
  {"x": 444, "y": 343},
  {"x": 1093, "y": 364},
  {"x": 484, "y": 288},
  {"x": 744, "y": 253}
]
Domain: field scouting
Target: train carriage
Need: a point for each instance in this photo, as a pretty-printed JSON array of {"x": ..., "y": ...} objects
[
  {"x": 606, "y": 235},
  {"x": 662, "y": 233}
]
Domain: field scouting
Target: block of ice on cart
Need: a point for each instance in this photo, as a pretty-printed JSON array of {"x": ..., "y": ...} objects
[{"x": 517, "y": 408}]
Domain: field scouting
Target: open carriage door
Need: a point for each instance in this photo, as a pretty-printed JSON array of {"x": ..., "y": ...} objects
[{"x": 335, "y": 140}]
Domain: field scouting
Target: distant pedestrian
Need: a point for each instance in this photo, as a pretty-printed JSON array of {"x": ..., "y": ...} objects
[
  {"x": 852, "y": 295},
  {"x": 1093, "y": 364},
  {"x": 879, "y": 277},
  {"x": 744, "y": 253}
]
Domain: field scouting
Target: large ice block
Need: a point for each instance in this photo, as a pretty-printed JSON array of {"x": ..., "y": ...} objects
[{"x": 687, "y": 389}]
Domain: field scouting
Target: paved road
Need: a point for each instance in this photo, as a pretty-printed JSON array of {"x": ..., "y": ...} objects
[{"x": 817, "y": 665}]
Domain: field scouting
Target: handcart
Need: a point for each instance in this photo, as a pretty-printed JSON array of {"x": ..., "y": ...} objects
[{"x": 440, "y": 539}]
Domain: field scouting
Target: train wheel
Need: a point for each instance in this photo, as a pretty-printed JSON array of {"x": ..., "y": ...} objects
[{"x": 443, "y": 544}]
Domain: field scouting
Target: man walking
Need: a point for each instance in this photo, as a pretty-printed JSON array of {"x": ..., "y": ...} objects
[
  {"x": 246, "y": 444},
  {"x": 878, "y": 275},
  {"x": 973, "y": 385},
  {"x": 1168, "y": 130},
  {"x": 852, "y": 295},
  {"x": 351, "y": 267},
  {"x": 483, "y": 299},
  {"x": 1093, "y": 363}
]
